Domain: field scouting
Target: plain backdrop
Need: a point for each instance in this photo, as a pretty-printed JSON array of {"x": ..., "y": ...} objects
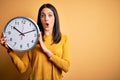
[{"x": 92, "y": 26}]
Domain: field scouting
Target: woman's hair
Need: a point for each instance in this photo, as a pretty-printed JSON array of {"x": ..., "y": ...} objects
[{"x": 56, "y": 34}]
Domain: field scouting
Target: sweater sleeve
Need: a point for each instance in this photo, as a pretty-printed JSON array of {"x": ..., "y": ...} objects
[
  {"x": 64, "y": 61},
  {"x": 21, "y": 64}
]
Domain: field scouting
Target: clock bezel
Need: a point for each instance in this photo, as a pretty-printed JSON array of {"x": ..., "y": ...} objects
[{"x": 26, "y": 18}]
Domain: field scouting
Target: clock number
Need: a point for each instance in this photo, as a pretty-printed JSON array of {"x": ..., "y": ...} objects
[
  {"x": 16, "y": 23},
  {"x": 14, "y": 44},
  {"x": 29, "y": 24},
  {"x": 32, "y": 41},
  {"x": 12, "y": 27},
  {"x": 35, "y": 35},
  {"x": 21, "y": 46},
  {"x": 10, "y": 39},
  {"x": 9, "y": 32},
  {"x": 23, "y": 21},
  {"x": 27, "y": 44}
]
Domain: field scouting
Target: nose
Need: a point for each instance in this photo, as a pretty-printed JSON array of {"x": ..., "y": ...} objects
[{"x": 46, "y": 18}]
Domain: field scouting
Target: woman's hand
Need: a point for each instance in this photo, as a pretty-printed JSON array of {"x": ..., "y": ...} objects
[
  {"x": 3, "y": 42},
  {"x": 44, "y": 48}
]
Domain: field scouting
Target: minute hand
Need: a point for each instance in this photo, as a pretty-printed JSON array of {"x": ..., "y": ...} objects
[{"x": 28, "y": 32}]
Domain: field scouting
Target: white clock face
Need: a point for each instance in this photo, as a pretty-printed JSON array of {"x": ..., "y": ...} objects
[{"x": 21, "y": 33}]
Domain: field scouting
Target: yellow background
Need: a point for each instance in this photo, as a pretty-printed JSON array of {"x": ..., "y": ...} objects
[{"x": 93, "y": 27}]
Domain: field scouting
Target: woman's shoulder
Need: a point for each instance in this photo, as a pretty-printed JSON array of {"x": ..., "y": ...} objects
[{"x": 64, "y": 37}]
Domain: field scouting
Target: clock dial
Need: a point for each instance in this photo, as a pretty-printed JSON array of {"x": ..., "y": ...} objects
[{"x": 21, "y": 33}]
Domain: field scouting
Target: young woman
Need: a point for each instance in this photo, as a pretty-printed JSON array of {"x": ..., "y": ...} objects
[{"x": 51, "y": 55}]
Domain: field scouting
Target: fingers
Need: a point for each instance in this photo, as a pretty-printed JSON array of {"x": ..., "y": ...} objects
[
  {"x": 40, "y": 36},
  {"x": 40, "y": 33},
  {"x": 2, "y": 35},
  {"x": 3, "y": 40}
]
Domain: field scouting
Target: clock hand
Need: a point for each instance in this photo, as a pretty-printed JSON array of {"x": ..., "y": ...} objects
[
  {"x": 28, "y": 31},
  {"x": 22, "y": 32},
  {"x": 18, "y": 31}
]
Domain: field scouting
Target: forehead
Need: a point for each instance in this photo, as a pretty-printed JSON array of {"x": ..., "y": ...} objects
[{"x": 46, "y": 10}]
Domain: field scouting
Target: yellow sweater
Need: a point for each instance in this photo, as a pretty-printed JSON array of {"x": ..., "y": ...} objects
[{"x": 44, "y": 68}]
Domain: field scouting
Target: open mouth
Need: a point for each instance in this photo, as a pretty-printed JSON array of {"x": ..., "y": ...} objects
[{"x": 47, "y": 24}]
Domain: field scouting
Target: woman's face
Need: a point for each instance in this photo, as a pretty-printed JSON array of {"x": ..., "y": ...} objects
[{"x": 47, "y": 19}]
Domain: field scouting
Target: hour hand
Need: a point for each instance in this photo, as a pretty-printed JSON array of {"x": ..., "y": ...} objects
[{"x": 18, "y": 31}]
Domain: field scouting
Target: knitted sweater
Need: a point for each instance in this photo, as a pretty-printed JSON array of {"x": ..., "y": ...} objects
[{"x": 44, "y": 68}]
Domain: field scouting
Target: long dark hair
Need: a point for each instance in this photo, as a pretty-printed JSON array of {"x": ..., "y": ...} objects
[{"x": 56, "y": 34}]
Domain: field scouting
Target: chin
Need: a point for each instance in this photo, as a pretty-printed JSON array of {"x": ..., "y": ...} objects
[{"x": 47, "y": 29}]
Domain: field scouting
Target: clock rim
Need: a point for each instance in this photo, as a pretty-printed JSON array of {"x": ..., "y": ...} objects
[{"x": 31, "y": 20}]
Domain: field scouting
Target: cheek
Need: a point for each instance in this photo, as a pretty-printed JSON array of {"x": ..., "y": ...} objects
[
  {"x": 52, "y": 21},
  {"x": 42, "y": 21}
]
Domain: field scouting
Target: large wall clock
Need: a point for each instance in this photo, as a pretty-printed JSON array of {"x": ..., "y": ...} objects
[{"x": 21, "y": 33}]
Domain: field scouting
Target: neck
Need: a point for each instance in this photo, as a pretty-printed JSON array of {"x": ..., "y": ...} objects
[{"x": 48, "y": 32}]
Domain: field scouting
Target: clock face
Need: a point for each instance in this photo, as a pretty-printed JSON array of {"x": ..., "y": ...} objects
[{"x": 21, "y": 33}]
